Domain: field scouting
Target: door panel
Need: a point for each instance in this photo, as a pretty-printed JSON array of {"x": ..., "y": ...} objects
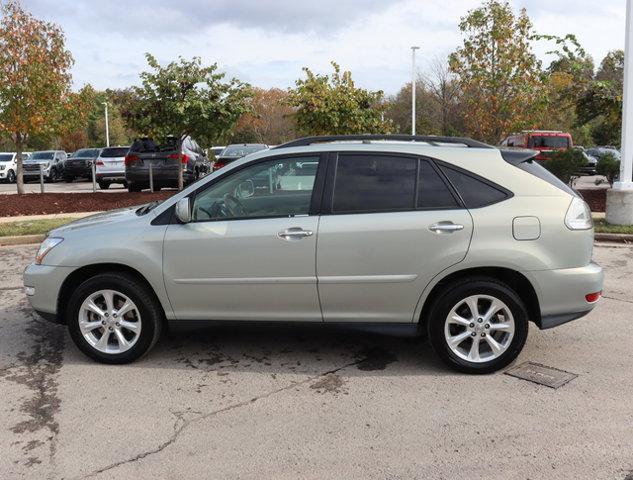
[
  {"x": 374, "y": 267},
  {"x": 242, "y": 270}
]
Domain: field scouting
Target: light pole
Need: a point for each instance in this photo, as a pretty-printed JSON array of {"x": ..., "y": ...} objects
[
  {"x": 413, "y": 49},
  {"x": 620, "y": 197},
  {"x": 106, "y": 125}
]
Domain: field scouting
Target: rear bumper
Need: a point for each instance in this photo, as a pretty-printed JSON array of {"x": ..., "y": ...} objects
[
  {"x": 561, "y": 293},
  {"x": 112, "y": 176}
]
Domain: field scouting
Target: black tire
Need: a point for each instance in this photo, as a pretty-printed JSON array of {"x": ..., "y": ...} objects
[
  {"x": 11, "y": 176},
  {"x": 104, "y": 185},
  {"x": 134, "y": 187},
  {"x": 151, "y": 313},
  {"x": 451, "y": 296}
]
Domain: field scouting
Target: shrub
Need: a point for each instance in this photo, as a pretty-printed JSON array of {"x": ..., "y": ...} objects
[
  {"x": 565, "y": 164},
  {"x": 609, "y": 166}
]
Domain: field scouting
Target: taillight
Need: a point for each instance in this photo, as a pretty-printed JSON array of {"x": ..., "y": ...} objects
[
  {"x": 184, "y": 158},
  {"x": 131, "y": 159},
  {"x": 99, "y": 162},
  {"x": 578, "y": 215},
  {"x": 218, "y": 165},
  {"x": 593, "y": 297}
]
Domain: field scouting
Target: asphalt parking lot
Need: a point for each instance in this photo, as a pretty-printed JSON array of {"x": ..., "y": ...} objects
[{"x": 305, "y": 403}]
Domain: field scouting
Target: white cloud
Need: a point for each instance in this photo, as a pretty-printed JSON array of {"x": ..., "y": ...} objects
[{"x": 266, "y": 42}]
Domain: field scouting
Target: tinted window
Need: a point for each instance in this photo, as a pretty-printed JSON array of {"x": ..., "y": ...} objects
[
  {"x": 275, "y": 188},
  {"x": 374, "y": 183},
  {"x": 42, "y": 156},
  {"x": 432, "y": 191},
  {"x": 548, "y": 142},
  {"x": 6, "y": 157},
  {"x": 143, "y": 145},
  {"x": 241, "y": 150},
  {"x": 544, "y": 174},
  {"x": 475, "y": 193},
  {"x": 114, "y": 152},
  {"x": 87, "y": 153}
]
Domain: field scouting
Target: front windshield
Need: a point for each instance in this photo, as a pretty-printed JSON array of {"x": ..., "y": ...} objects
[
  {"x": 42, "y": 156},
  {"x": 6, "y": 157},
  {"x": 241, "y": 150},
  {"x": 86, "y": 153}
]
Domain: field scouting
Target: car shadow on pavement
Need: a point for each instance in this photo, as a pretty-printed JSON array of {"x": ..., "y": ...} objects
[{"x": 295, "y": 349}]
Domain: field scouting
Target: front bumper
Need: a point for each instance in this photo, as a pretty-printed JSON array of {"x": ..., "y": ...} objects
[
  {"x": 561, "y": 293},
  {"x": 44, "y": 282}
]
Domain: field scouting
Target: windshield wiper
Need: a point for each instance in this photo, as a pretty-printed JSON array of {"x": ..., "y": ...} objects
[{"x": 148, "y": 208}]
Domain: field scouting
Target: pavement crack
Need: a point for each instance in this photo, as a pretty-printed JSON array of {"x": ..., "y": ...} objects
[
  {"x": 181, "y": 423},
  {"x": 11, "y": 288},
  {"x": 617, "y": 299}
]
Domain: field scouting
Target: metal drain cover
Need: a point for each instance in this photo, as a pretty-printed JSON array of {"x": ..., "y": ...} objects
[{"x": 541, "y": 374}]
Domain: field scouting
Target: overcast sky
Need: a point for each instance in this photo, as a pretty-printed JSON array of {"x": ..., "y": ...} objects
[{"x": 266, "y": 42}]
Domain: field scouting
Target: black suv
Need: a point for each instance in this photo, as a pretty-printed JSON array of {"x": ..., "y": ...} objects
[
  {"x": 165, "y": 157},
  {"x": 80, "y": 163}
]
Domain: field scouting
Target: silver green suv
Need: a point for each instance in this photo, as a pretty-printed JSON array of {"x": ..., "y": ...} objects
[{"x": 445, "y": 236}]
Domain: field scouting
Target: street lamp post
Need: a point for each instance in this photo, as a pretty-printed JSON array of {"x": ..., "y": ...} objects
[
  {"x": 106, "y": 124},
  {"x": 620, "y": 197},
  {"x": 413, "y": 83}
]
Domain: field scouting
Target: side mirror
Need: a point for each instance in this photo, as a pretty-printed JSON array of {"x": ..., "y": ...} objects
[
  {"x": 183, "y": 210},
  {"x": 246, "y": 189}
]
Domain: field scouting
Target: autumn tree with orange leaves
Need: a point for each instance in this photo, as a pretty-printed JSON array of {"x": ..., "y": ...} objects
[
  {"x": 35, "y": 81},
  {"x": 503, "y": 86}
]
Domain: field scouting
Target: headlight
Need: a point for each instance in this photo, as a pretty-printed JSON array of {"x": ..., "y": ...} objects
[
  {"x": 578, "y": 215},
  {"x": 47, "y": 245}
]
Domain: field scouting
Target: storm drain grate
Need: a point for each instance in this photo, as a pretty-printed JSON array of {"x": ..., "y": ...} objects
[{"x": 541, "y": 374}]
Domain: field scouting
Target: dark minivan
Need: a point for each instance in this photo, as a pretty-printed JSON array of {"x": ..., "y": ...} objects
[{"x": 165, "y": 157}]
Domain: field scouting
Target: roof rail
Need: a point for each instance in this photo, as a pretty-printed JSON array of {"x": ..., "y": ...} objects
[{"x": 430, "y": 139}]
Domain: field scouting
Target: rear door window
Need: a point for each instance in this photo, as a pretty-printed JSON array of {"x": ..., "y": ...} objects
[
  {"x": 374, "y": 183},
  {"x": 432, "y": 192},
  {"x": 474, "y": 192}
]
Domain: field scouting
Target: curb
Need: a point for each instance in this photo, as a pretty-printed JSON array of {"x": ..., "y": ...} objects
[
  {"x": 22, "y": 239},
  {"x": 614, "y": 237}
]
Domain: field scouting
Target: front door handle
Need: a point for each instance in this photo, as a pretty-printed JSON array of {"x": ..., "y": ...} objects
[
  {"x": 445, "y": 227},
  {"x": 294, "y": 233}
]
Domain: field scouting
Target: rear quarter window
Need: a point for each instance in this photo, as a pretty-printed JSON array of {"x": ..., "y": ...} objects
[{"x": 475, "y": 192}]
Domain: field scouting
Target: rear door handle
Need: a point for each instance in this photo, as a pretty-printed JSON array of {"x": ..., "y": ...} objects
[
  {"x": 294, "y": 233},
  {"x": 445, "y": 227}
]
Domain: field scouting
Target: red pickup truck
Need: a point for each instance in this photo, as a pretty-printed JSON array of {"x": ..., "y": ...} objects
[{"x": 545, "y": 141}]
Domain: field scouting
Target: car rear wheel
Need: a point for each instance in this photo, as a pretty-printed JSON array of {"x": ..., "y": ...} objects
[
  {"x": 479, "y": 325},
  {"x": 104, "y": 185},
  {"x": 112, "y": 318}
]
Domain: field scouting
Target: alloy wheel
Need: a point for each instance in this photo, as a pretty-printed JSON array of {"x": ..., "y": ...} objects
[
  {"x": 479, "y": 328},
  {"x": 110, "y": 321}
]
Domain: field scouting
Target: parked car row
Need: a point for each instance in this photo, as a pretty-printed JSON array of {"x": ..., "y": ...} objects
[{"x": 546, "y": 142}]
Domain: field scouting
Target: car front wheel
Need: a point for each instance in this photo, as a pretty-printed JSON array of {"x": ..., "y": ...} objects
[
  {"x": 113, "y": 318},
  {"x": 11, "y": 176},
  {"x": 479, "y": 325}
]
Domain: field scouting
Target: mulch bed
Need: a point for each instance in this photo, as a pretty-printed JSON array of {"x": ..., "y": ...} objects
[
  {"x": 596, "y": 198},
  {"x": 48, "y": 203}
]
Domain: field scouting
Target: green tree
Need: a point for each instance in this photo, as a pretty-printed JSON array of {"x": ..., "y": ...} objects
[
  {"x": 186, "y": 98},
  {"x": 333, "y": 105},
  {"x": 601, "y": 104},
  {"x": 35, "y": 81},
  {"x": 500, "y": 77},
  {"x": 568, "y": 78}
]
